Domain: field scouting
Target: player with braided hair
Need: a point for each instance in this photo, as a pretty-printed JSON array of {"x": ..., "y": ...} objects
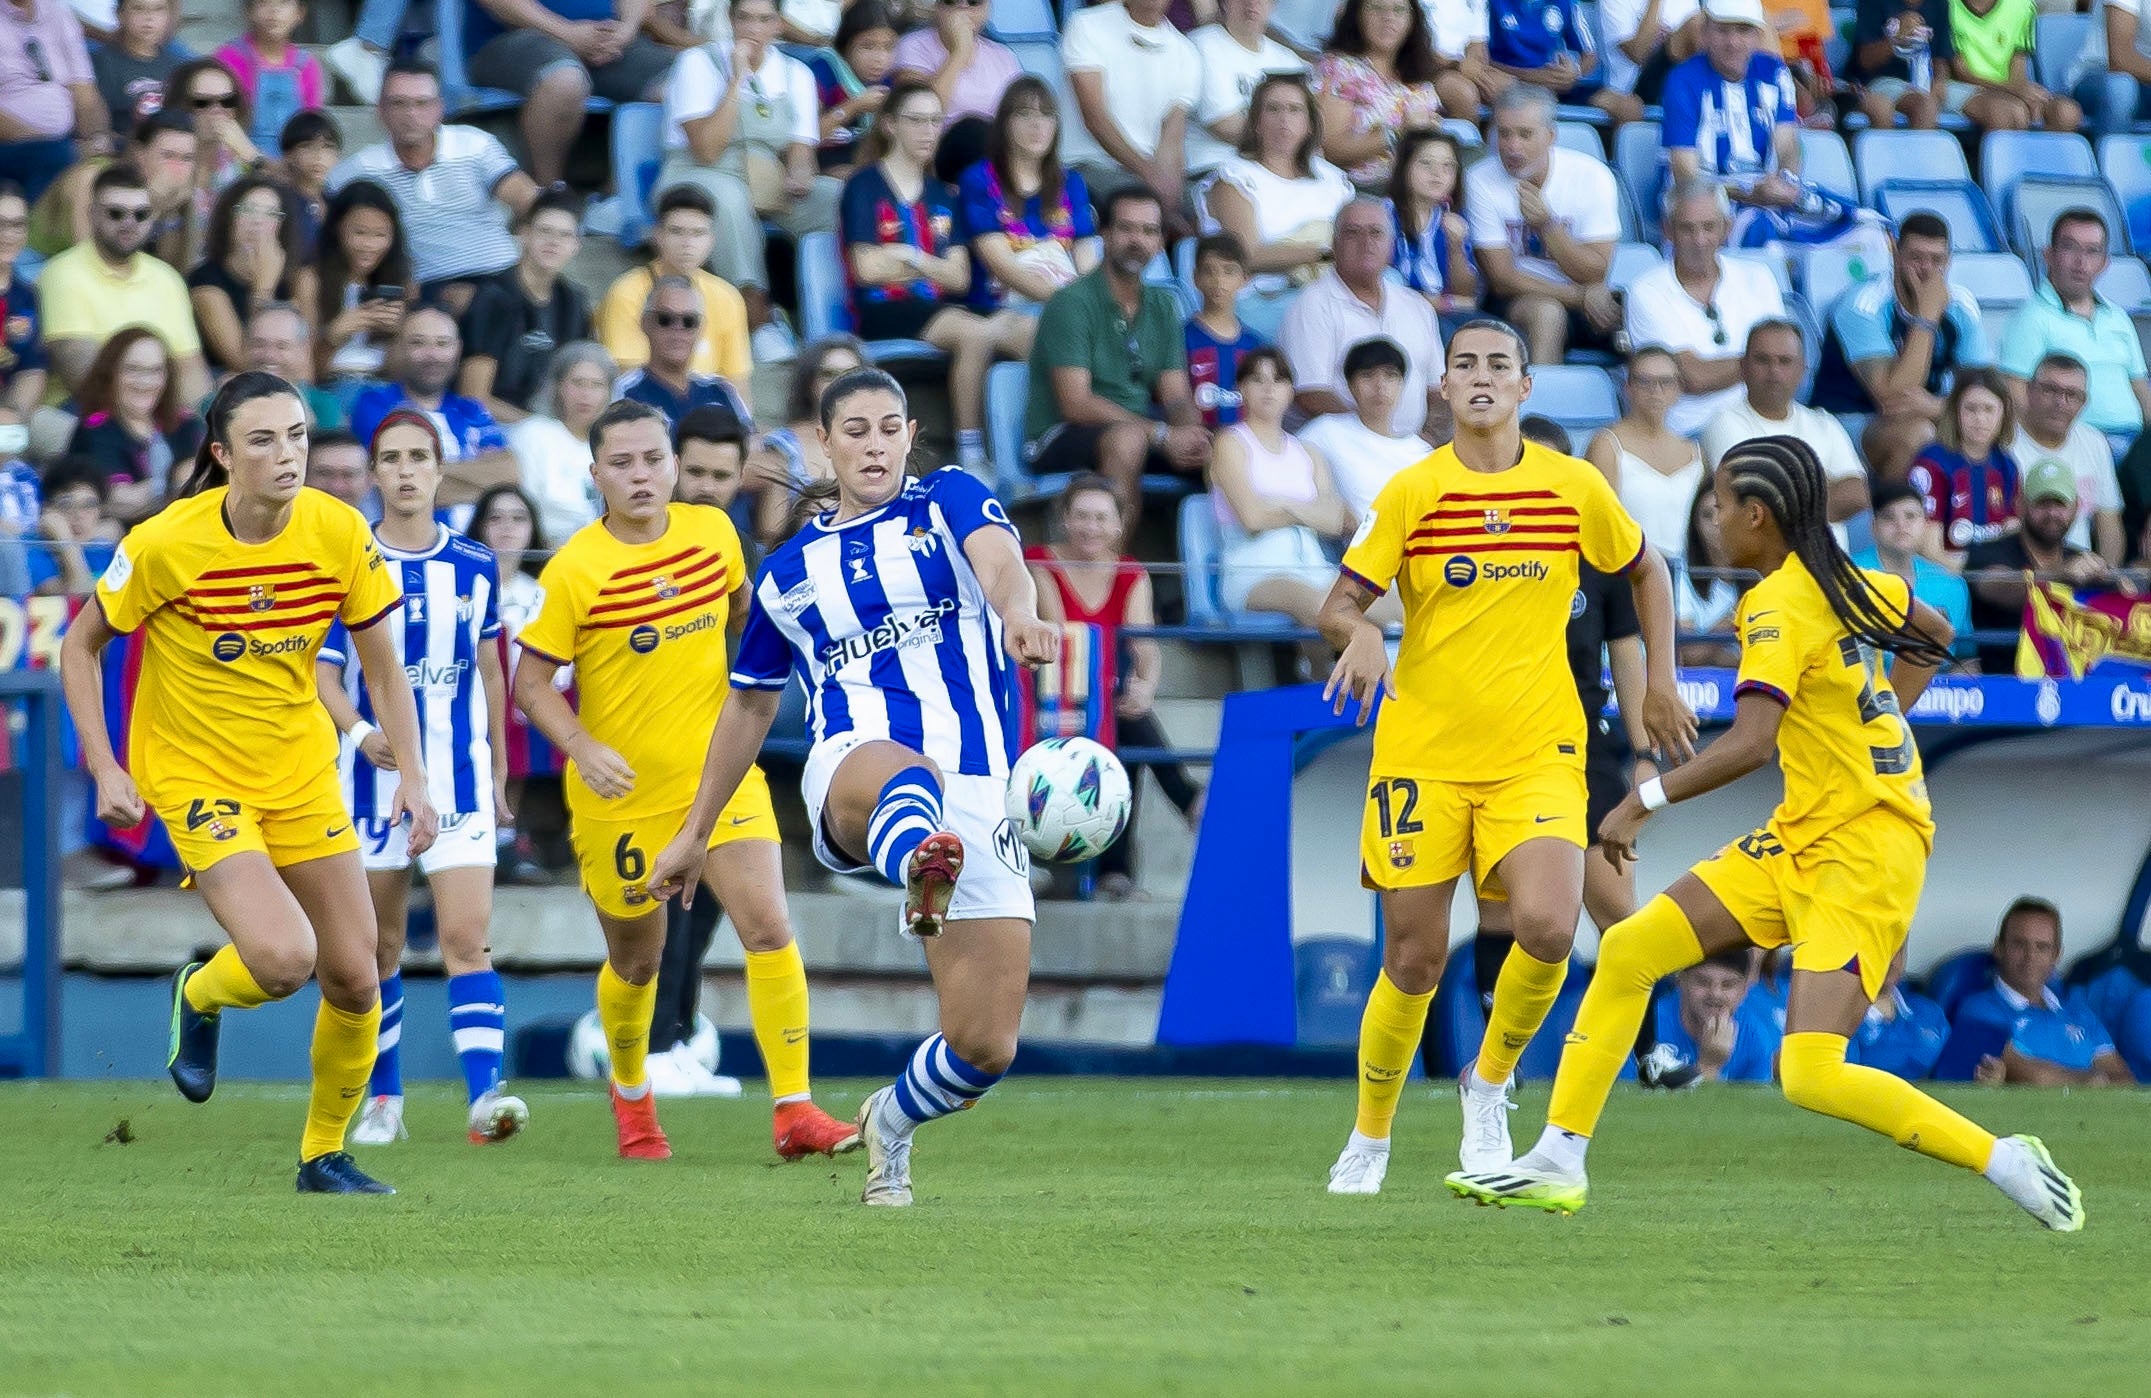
[{"x": 1836, "y": 873}]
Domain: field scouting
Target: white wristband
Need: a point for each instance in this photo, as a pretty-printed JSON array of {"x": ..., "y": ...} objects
[
  {"x": 1653, "y": 794},
  {"x": 359, "y": 732}
]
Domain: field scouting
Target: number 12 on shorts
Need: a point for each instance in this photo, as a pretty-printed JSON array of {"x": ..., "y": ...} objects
[{"x": 1396, "y": 803}]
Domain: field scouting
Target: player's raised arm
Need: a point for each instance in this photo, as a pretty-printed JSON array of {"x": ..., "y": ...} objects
[
  {"x": 1362, "y": 668},
  {"x": 82, "y": 682},
  {"x": 742, "y": 727},
  {"x": 1667, "y": 719},
  {"x": 1748, "y": 745},
  {"x": 380, "y": 656}
]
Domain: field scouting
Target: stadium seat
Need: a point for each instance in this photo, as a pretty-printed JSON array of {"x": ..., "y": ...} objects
[
  {"x": 2006, "y": 157},
  {"x": 2057, "y": 42},
  {"x": 1637, "y": 157},
  {"x": 1581, "y": 137},
  {"x": 1882, "y": 156},
  {"x": 1959, "y": 203},
  {"x": 1801, "y": 313},
  {"x": 1200, "y": 544},
  {"x": 1772, "y": 255},
  {"x": 1467, "y": 133},
  {"x": 1581, "y": 397},
  {"x": 1008, "y": 398},
  {"x": 823, "y": 309},
  {"x": 1304, "y": 23},
  {"x": 1826, "y": 163},
  {"x": 1630, "y": 261},
  {"x": 2127, "y": 284},
  {"x": 2126, "y": 163},
  {"x": 1010, "y": 20},
  {"x": 1044, "y": 59},
  {"x": 1959, "y": 976},
  {"x": 1999, "y": 281},
  {"x": 2039, "y": 199},
  {"x": 1831, "y": 272},
  {"x": 638, "y": 150}
]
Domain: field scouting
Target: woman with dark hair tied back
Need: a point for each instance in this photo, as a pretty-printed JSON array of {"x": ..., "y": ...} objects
[
  {"x": 234, "y": 588},
  {"x": 908, "y": 773},
  {"x": 1834, "y": 875}
]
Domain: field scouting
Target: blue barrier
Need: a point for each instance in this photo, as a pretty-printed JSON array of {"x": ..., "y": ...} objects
[{"x": 33, "y": 1050}]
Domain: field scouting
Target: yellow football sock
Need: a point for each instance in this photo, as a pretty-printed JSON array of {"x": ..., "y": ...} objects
[
  {"x": 1389, "y": 1034},
  {"x": 343, "y": 1060},
  {"x": 224, "y": 983},
  {"x": 777, "y": 1003},
  {"x": 1817, "y": 1077},
  {"x": 1523, "y": 993},
  {"x": 1634, "y": 955},
  {"x": 625, "y": 1011}
]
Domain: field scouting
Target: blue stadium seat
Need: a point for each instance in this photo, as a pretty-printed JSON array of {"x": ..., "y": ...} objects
[
  {"x": 1630, "y": 261},
  {"x": 2058, "y": 40},
  {"x": 1306, "y": 22},
  {"x": 1959, "y": 203},
  {"x": 2127, "y": 284},
  {"x": 1824, "y": 161},
  {"x": 1637, "y": 157},
  {"x": 1044, "y": 59},
  {"x": 1959, "y": 976},
  {"x": 1999, "y": 281},
  {"x": 1801, "y": 313},
  {"x": 1008, "y": 398},
  {"x": 2006, "y": 157},
  {"x": 1772, "y": 255},
  {"x": 1579, "y": 136},
  {"x": 1265, "y": 313},
  {"x": 638, "y": 150},
  {"x": 823, "y": 308},
  {"x": 1882, "y": 156},
  {"x": 1466, "y": 131},
  {"x": 1199, "y": 547},
  {"x": 1831, "y": 272},
  {"x": 2126, "y": 163},
  {"x": 1581, "y": 397},
  {"x": 1023, "y": 19},
  {"x": 2039, "y": 199}
]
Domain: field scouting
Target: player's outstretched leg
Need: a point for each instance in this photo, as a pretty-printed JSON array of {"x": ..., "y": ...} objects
[
  {"x": 201, "y": 992},
  {"x": 905, "y": 840},
  {"x": 1634, "y": 955},
  {"x": 1417, "y": 922},
  {"x": 1544, "y": 879}
]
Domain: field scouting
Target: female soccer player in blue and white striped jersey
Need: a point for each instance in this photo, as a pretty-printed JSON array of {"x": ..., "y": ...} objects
[
  {"x": 451, "y": 589},
  {"x": 902, "y": 605}
]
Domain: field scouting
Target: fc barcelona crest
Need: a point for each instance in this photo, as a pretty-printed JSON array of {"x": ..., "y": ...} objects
[
  {"x": 261, "y": 597},
  {"x": 1400, "y": 854},
  {"x": 666, "y": 588},
  {"x": 1496, "y": 522}
]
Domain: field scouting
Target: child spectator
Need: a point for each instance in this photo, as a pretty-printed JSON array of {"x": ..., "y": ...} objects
[
  {"x": 80, "y": 539},
  {"x": 1993, "y": 53},
  {"x": 279, "y": 78},
  {"x": 1900, "y": 524},
  {"x": 1967, "y": 479},
  {"x": 1216, "y": 340},
  {"x": 851, "y": 77},
  {"x": 1362, "y": 445},
  {"x": 135, "y": 425},
  {"x": 519, "y": 317},
  {"x": 1426, "y": 213},
  {"x": 132, "y": 69},
  {"x": 312, "y": 145},
  {"x": 1709, "y": 1023}
]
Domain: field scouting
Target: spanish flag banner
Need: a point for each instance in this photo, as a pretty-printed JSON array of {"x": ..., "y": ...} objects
[{"x": 2069, "y": 631}]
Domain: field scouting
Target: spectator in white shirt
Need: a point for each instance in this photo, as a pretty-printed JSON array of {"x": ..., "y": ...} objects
[
  {"x": 744, "y": 123},
  {"x": 1236, "y": 54},
  {"x": 1643, "y": 39},
  {"x": 1702, "y": 304},
  {"x": 2052, "y": 428},
  {"x": 1465, "y": 80},
  {"x": 1354, "y": 301},
  {"x": 1543, "y": 224},
  {"x": 1277, "y": 195},
  {"x": 553, "y": 444},
  {"x": 1363, "y": 447},
  {"x": 1770, "y": 372},
  {"x": 1136, "y": 79}
]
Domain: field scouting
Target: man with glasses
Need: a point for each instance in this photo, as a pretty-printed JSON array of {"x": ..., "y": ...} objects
[
  {"x": 96, "y": 288},
  {"x": 50, "y": 112},
  {"x": 672, "y": 320},
  {"x": 2068, "y": 316},
  {"x": 1770, "y": 372},
  {"x": 1702, "y": 305},
  {"x": 2051, "y": 428},
  {"x": 474, "y": 453},
  {"x": 686, "y": 232},
  {"x": 455, "y": 187},
  {"x": 1135, "y": 80},
  {"x": 1353, "y": 302},
  {"x": 520, "y": 316},
  {"x": 162, "y": 146}
]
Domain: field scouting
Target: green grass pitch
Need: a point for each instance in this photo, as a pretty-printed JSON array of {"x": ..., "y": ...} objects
[{"x": 1089, "y": 1237}]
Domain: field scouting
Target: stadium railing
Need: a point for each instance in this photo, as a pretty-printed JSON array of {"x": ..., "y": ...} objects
[{"x": 32, "y": 1048}]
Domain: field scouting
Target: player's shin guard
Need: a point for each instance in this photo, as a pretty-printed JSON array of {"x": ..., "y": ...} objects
[
  {"x": 388, "y": 1048},
  {"x": 342, "y": 1058},
  {"x": 625, "y": 1012},
  {"x": 908, "y": 810},
  {"x": 1523, "y": 993},
  {"x": 934, "y": 1084},
  {"x": 777, "y": 1004},
  {"x": 224, "y": 983},
  {"x": 1389, "y": 1034},
  {"x": 1817, "y": 1077},
  {"x": 478, "y": 1022},
  {"x": 1635, "y": 954}
]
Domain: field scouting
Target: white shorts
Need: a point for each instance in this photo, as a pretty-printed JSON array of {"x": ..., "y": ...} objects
[
  {"x": 465, "y": 842},
  {"x": 996, "y": 878},
  {"x": 1290, "y": 551}
]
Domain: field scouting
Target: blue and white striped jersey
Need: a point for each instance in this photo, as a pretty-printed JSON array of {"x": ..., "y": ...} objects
[
  {"x": 451, "y": 610},
  {"x": 890, "y": 628}
]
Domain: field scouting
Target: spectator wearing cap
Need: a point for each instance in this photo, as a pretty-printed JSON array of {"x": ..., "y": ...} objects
[
  {"x": 2019, "y": 1029},
  {"x": 1136, "y": 81},
  {"x": 1702, "y": 306},
  {"x": 2051, "y": 428},
  {"x": 1766, "y": 405},
  {"x": 51, "y": 114},
  {"x": 519, "y": 317},
  {"x": 557, "y": 54},
  {"x": 1363, "y": 446},
  {"x": 1902, "y": 1031},
  {"x": 2040, "y": 545},
  {"x": 1352, "y": 301},
  {"x": 1900, "y": 526},
  {"x": 474, "y": 453},
  {"x": 672, "y": 320},
  {"x": 2067, "y": 315},
  {"x": 95, "y": 289},
  {"x": 1711, "y": 1021},
  {"x": 455, "y": 187},
  {"x": 1896, "y": 343},
  {"x": 1543, "y": 223}
]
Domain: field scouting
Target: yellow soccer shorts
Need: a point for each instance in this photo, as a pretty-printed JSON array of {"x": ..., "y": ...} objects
[
  {"x": 1417, "y": 832},
  {"x": 1844, "y": 903},
  {"x": 615, "y": 854},
  {"x": 209, "y": 827}
]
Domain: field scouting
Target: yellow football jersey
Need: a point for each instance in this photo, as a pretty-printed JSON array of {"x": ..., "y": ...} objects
[
  {"x": 644, "y": 626},
  {"x": 1486, "y": 567},
  {"x": 1844, "y": 746},
  {"x": 226, "y": 702}
]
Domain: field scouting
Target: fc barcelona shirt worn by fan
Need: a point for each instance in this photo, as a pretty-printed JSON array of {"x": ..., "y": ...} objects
[
  {"x": 644, "y": 625},
  {"x": 1486, "y": 565},
  {"x": 227, "y": 698}
]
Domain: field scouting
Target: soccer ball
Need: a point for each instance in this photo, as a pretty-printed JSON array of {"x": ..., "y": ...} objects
[
  {"x": 1068, "y": 799},
  {"x": 590, "y": 1053}
]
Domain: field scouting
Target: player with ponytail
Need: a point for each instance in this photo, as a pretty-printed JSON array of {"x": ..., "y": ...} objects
[{"x": 1836, "y": 873}]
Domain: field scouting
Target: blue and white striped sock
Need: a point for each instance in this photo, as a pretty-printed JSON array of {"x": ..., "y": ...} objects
[
  {"x": 935, "y": 1083},
  {"x": 478, "y": 1018},
  {"x": 387, "y": 1078},
  {"x": 908, "y": 811}
]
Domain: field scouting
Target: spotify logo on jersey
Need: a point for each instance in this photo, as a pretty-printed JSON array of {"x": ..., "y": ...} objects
[
  {"x": 1460, "y": 572},
  {"x": 228, "y": 647},
  {"x": 642, "y": 640}
]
